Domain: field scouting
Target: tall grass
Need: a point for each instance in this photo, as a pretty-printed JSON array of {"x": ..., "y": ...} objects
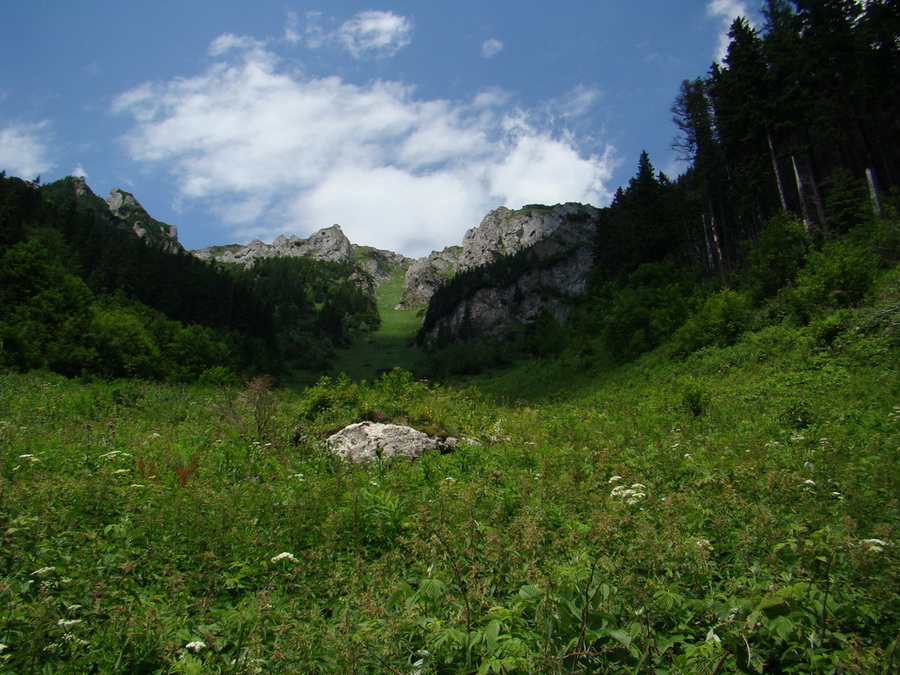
[{"x": 734, "y": 511}]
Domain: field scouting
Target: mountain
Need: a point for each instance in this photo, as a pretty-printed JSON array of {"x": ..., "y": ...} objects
[
  {"x": 511, "y": 268},
  {"x": 329, "y": 244}
]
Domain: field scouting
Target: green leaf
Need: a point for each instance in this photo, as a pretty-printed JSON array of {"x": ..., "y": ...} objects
[{"x": 622, "y": 636}]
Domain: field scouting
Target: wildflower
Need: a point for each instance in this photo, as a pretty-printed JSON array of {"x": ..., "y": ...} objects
[
  {"x": 42, "y": 571},
  {"x": 68, "y": 622},
  {"x": 195, "y": 646},
  {"x": 299, "y": 476},
  {"x": 808, "y": 465},
  {"x": 137, "y": 485},
  {"x": 283, "y": 556},
  {"x": 450, "y": 479},
  {"x": 113, "y": 453},
  {"x": 809, "y": 481},
  {"x": 703, "y": 543},
  {"x": 121, "y": 471},
  {"x": 876, "y": 545},
  {"x": 154, "y": 435},
  {"x": 687, "y": 455},
  {"x": 615, "y": 478},
  {"x": 72, "y": 608},
  {"x": 25, "y": 456},
  {"x": 639, "y": 486},
  {"x": 837, "y": 495},
  {"x": 712, "y": 637}
]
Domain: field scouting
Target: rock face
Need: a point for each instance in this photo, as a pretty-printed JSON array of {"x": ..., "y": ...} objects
[
  {"x": 426, "y": 274},
  {"x": 505, "y": 232},
  {"x": 556, "y": 239},
  {"x": 127, "y": 214},
  {"x": 329, "y": 243},
  {"x": 369, "y": 441},
  {"x": 502, "y": 232}
]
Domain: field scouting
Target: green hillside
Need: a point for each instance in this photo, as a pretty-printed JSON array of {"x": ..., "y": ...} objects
[{"x": 734, "y": 510}]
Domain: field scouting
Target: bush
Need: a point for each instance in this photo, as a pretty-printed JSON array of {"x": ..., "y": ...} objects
[
  {"x": 840, "y": 275},
  {"x": 777, "y": 256},
  {"x": 718, "y": 322}
]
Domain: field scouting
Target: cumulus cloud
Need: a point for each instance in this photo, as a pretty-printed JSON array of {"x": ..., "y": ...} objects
[
  {"x": 79, "y": 172},
  {"x": 491, "y": 48},
  {"x": 725, "y": 12},
  {"x": 271, "y": 152},
  {"x": 381, "y": 34},
  {"x": 24, "y": 149}
]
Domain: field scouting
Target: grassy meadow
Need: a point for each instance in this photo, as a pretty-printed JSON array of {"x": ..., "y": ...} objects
[{"x": 732, "y": 511}]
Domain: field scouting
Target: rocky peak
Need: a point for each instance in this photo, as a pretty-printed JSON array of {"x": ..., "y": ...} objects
[
  {"x": 127, "y": 214},
  {"x": 502, "y": 232},
  {"x": 329, "y": 243},
  {"x": 505, "y": 232}
]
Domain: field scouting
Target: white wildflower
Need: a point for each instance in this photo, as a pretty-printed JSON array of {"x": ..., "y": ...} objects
[
  {"x": 450, "y": 479},
  {"x": 121, "y": 471},
  {"x": 876, "y": 545},
  {"x": 687, "y": 455},
  {"x": 112, "y": 453},
  {"x": 283, "y": 556},
  {"x": 25, "y": 456},
  {"x": 632, "y": 501},
  {"x": 613, "y": 479},
  {"x": 299, "y": 476},
  {"x": 195, "y": 646},
  {"x": 43, "y": 571},
  {"x": 712, "y": 637},
  {"x": 639, "y": 486},
  {"x": 68, "y": 622},
  {"x": 809, "y": 481},
  {"x": 137, "y": 485},
  {"x": 72, "y": 608},
  {"x": 155, "y": 435},
  {"x": 703, "y": 543}
]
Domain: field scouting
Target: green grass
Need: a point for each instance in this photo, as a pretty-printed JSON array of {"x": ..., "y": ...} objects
[
  {"x": 137, "y": 519},
  {"x": 388, "y": 347}
]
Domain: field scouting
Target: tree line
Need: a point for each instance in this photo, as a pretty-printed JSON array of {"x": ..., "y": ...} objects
[{"x": 80, "y": 297}]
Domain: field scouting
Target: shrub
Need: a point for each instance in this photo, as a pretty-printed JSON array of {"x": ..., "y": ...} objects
[
  {"x": 840, "y": 275},
  {"x": 719, "y": 320}
]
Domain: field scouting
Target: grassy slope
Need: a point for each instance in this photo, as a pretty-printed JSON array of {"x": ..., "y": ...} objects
[
  {"x": 768, "y": 469},
  {"x": 387, "y": 348}
]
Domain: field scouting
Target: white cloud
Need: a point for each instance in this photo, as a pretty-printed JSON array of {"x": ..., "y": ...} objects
[
  {"x": 381, "y": 34},
  {"x": 491, "y": 48},
  {"x": 725, "y": 11},
  {"x": 271, "y": 152},
  {"x": 24, "y": 149},
  {"x": 79, "y": 172}
]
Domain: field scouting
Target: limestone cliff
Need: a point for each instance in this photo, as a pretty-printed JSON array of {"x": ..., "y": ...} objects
[
  {"x": 127, "y": 214},
  {"x": 513, "y": 267},
  {"x": 328, "y": 244},
  {"x": 502, "y": 232}
]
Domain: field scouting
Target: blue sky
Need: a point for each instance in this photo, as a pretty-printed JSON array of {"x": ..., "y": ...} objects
[{"x": 404, "y": 122}]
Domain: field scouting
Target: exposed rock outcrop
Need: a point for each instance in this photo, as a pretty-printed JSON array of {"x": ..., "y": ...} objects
[
  {"x": 502, "y": 232},
  {"x": 369, "y": 441},
  {"x": 426, "y": 274},
  {"x": 329, "y": 244},
  {"x": 556, "y": 244},
  {"x": 126, "y": 213}
]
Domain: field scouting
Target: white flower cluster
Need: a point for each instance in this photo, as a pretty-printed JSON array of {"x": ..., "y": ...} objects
[
  {"x": 284, "y": 556},
  {"x": 632, "y": 495},
  {"x": 195, "y": 646},
  {"x": 876, "y": 545}
]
